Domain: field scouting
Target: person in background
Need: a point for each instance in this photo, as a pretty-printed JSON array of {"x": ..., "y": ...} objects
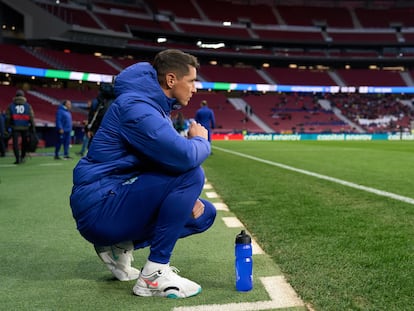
[
  {"x": 98, "y": 109},
  {"x": 205, "y": 116},
  {"x": 20, "y": 119},
  {"x": 85, "y": 139},
  {"x": 140, "y": 183},
  {"x": 85, "y": 136},
  {"x": 3, "y": 134},
  {"x": 63, "y": 129}
]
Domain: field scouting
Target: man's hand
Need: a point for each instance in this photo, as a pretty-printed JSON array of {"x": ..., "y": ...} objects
[
  {"x": 196, "y": 129},
  {"x": 198, "y": 209}
]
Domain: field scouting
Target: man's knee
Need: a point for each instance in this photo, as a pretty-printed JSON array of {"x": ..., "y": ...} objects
[
  {"x": 202, "y": 223},
  {"x": 206, "y": 220},
  {"x": 210, "y": 212},
  {"x": 195, "y": 177}
]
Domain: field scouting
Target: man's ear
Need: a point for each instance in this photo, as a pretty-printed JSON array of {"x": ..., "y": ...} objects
[{"x": 170, "y": 79}]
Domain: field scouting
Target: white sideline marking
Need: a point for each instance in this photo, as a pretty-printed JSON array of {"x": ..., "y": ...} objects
[
  {"x": 257, "y": 250},
  {"x": 44, "y": 164},
  {"x": 211, "y": 195},
  {"x": 332, "y": 179},
  {"x": 232, "y": 222},
  {"x": 50, "y": 164},
  {"x": 8, "y": 165},
  {"x": 280, "y": 292},
  {"x": 208, "y": 186},
  {"x": 221, "y": 206}
]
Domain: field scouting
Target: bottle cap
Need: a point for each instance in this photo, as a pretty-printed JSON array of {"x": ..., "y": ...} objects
[{"x": 243, "y": 238}]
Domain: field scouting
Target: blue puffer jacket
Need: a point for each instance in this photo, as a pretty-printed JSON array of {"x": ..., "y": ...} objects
[
  {"x": 63, "y": 119},
  {"x": 136, "y": 135}
]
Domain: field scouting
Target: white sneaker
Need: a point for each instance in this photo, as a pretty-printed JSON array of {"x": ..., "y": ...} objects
[
  {"x": 166, "y": 283},
  {"x": 118, "y": 259}
]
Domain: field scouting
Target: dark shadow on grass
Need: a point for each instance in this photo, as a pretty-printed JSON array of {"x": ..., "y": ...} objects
[{"x": 30, "y": 262}]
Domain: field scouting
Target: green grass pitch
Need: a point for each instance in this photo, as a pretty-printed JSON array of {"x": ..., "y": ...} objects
[{"x": 340, "y": 248}]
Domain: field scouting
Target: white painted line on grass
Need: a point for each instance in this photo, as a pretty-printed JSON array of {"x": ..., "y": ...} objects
[
  {"x": 44, "y": 164},
  {"x": 257, "y": 250},
  {"x": 50, "y": 164},
  {"x": 211, "y": 195},
  {"x": 232, "y": 222},
  {"x": 280, "y": 292},
  {"x": 221, "y": 206},
  {"x": 207, "y": 186},
  {"x": 8, "y": 165},
  {"x": 320, "y": 176}
]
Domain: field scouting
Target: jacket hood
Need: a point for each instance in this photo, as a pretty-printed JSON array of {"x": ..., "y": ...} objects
[
  {"x": 20, "y": 100},
  {"x": 139, "y": 83}
]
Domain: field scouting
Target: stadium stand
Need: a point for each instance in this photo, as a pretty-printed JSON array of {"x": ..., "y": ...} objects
[
  {"x": 367, "y": 37},
  {"x": 124, "y": 62},
  {"x": 312, "y": 35},
  {"x": 294, "y": 76},
  {"x": 238, "y": 12},
  {"x": 20, "y": 55},
  {"x": 186, "y": 9},
  {"x": 295, "y": 113},
  {"x": 218, "y": 29},
  {"x": 376, "y": 113},
  {"x": 367, "y": 77},
  {"x": 71, "y": 15},
  {"x": 279, "y": 34},
  {"x": 80, "y": 94},
  {"x": 230, "y": 74},
  {"x": 337, "y": 17},
  {"x": 123, "y": 23},
  {"x": 137, "y": 8},
  {"x": 74, "y": 61},
  {"x": 375, "y": 18}
]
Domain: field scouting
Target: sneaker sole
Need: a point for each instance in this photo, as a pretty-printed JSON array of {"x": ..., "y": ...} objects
[
  {"x": 120, "y": 275},
  {"x": 174, "y": 296},
  {"x": 111, "y": 265},
  {"x": 168, "y": 293}
]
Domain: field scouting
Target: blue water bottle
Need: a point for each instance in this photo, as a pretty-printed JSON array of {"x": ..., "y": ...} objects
[{"x": 244, "y": 262}]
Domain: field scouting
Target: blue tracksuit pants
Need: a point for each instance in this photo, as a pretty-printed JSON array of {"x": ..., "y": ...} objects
[
  {"x": 153, "y": 209},
  {"x": 62, "y": 139}
]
